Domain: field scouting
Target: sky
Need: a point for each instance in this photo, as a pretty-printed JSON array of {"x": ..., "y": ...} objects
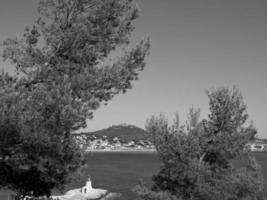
[{"x": 196, "y": 45}]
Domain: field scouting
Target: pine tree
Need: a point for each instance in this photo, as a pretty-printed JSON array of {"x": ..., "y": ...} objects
[
  {"x": 64, "y": 72},
  {"x": 197, "y": 159}
]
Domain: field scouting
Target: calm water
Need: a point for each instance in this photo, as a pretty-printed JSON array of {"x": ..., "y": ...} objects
[{"x": 120, "y": 172}]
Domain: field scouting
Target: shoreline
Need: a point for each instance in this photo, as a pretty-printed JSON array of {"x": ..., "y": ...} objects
[{"x": 121, "y": 151}]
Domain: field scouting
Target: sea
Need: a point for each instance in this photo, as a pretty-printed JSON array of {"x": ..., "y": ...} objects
[{"x": 120, "y": 172}]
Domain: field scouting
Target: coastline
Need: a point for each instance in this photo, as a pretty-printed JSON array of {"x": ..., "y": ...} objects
[{"x": 121, "y": 151}]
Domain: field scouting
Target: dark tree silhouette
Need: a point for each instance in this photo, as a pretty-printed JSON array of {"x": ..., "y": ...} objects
[
  {"x": 197, "y": 160},
  {"x": 64, "y": 72}
]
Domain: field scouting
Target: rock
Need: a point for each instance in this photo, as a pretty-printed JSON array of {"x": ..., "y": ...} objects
[{"x": 84, "y": 193}]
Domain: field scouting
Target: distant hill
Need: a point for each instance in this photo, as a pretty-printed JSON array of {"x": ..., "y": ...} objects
[{"x": 123, "y": 132}]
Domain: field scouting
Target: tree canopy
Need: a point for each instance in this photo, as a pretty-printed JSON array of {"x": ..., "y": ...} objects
[
  {"x": 63, "y": 72},
  {"x": 197, "y": 158}
]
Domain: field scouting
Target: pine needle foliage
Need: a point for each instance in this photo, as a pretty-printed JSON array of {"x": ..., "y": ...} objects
[
  {"x": 197, "y": 158},
  {"x": 63, "y": 72}
]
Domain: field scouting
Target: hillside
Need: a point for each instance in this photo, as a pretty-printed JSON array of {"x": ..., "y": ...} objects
[{"x": 123, "y": 132}]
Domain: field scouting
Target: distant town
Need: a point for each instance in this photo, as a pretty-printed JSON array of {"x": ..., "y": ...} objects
[
  {"x": 93, "y": 143},
  {"x": 259, "y": 145},
  {"x": 125, "y": 137},
  {"x": 89, "y": 142}
]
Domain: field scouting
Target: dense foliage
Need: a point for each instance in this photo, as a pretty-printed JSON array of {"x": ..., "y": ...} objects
[
  {"x": 63, "y": 72},
  {"x": 197, "y": 158}
]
